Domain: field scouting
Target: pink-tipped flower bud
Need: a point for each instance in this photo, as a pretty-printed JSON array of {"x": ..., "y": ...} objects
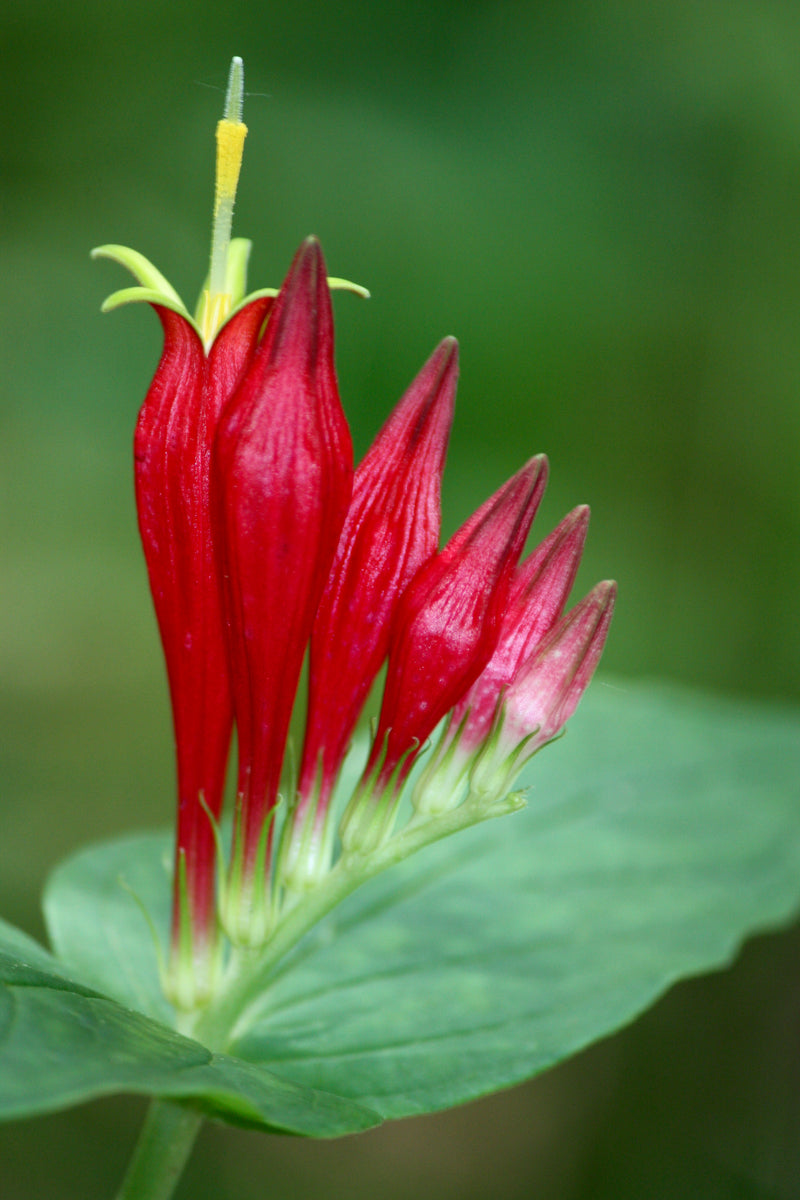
[
  {"x": 539, "y": 591},
  {"x": 545, "y": 691}
]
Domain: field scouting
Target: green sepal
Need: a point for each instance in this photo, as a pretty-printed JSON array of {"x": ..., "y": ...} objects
[
  {"x": 346, "y": 285},
  {"x": 140, "y": 267},
  {"x": 155, "y": 288},
  {"x": 142, "y": 270},
  {"x": 247, "y": 910},
  {"x": 236, "y": 263},
  {"x": 440, "y": 786},
  {"x": 142, "y": 295},
  {"x": 236, "y": 269},
  {"x": 369, "y": 818},
  {"x": 305, "y": 851}
]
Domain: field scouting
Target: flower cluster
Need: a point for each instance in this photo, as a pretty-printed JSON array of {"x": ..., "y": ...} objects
[{"x": 262, "y": 543}]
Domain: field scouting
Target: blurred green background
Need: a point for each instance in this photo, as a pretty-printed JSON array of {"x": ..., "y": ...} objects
[{"x": 602, "y": 202}]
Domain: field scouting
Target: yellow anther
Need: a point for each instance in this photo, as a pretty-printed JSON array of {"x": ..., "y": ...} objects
[{"x": 230, "y": 147}]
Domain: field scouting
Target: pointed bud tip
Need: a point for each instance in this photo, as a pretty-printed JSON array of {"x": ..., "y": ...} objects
[
  {"x": 310, "y": 251},
  {"x": 533, "y": 476},
  {"x": 307, "y": 271},
  {"x": 301, "y": 321},
  {"x": 606, "y": 591},
  {"x": 574, "y": 524},
  {"x": 308, "y": 268},
  {"x": 597, "y": 607},
  {"x": 445, "y": 356},
  {"x": 535, "y": 466},
  {"x": 599, "y": 601}
]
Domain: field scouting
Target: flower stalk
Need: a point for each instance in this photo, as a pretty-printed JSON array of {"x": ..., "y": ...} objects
[{"x": 163, "y": 1149}]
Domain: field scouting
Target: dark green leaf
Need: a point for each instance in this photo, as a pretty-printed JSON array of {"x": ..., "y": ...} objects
[
  {"x": 62, "y": 1044},
  {"x": 661, "y": 831}
]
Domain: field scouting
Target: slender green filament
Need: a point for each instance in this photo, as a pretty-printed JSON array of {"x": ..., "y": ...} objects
[{"x": 231, "y": 132}]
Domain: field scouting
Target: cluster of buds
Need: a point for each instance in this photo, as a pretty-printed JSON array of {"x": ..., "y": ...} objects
[{"x": 262, "y": 543}]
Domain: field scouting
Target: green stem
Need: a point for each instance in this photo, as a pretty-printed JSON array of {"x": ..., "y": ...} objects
[{"x": 161, "y": 1153}]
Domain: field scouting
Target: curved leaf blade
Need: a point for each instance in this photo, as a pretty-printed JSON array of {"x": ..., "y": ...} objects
[
  {"x": 663, "y": 831},
  {"x": 62, "y": 1044}
]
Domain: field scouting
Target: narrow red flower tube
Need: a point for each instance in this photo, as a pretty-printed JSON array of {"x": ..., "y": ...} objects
[
  {"x": 172, "y": 450},
  {"x": 282, "y": 483},
  {"x": 449, "y": 621},
  {"x": 392, "y": 528}
]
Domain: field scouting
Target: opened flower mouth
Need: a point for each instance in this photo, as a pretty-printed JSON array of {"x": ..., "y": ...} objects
[{"x": 263, "y": 544}]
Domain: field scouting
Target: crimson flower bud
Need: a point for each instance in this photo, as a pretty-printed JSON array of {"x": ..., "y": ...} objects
[
  {"x": 283, "y": 479},
  {"x": 392, "y": 529},
  {"x": 446, "y": 630},
  {"x": 172, "y": 450}
]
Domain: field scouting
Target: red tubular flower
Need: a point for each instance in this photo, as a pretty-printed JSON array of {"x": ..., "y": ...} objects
[
  {"x": 283, "y": 471},
  {"x": 392, "y": 528},
  {"x": 172, "y": 450},
  {"x": 449, "y": 621}
]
